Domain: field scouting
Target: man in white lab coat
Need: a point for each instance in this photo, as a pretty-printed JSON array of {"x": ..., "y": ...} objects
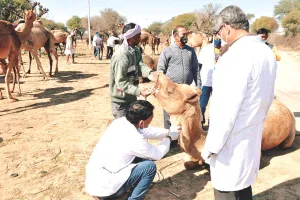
[
  {"x": 111, "y": 169},
  {"x": 243, "y": 83}
]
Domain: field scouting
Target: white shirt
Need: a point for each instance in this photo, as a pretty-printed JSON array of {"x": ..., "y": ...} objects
[
  {"x": 111, "y": 41},
  {"x": 206, "y": 57},
  {"x": 94, "y": 40},
  {"x": 110, "y": 166},
  {"x": 243, "y": 92}
]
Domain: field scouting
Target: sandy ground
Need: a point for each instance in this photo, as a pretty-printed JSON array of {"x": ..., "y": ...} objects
[{"x": 47, "y": 137}]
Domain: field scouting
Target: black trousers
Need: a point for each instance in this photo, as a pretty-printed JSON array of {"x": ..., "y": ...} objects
[
  {"x": 244, "y": 194},
  {"x": 110, "y": 51}
]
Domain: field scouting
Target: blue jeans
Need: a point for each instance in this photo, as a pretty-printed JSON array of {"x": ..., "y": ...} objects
[
  {"x": 206, "y": 92},
  {"x": 140, "y": 179}
]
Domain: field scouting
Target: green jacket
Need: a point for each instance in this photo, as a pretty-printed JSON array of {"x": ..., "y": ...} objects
[{"x": 125, "y": 68}]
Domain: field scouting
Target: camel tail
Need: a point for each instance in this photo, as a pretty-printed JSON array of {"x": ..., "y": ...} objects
[{"x": 291, "y": 137}]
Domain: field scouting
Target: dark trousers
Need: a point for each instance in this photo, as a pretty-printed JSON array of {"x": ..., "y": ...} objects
[
  {"x": 204, "y": 98},
  {"x": 119, "y": 109},
  {"x": 95, "y": 51},
  {"x": 244, "y": 194},
  {"x": 99, "y": 53},
  {"x": 167, "y": 123},
  {"x": 109, "y": 53}
]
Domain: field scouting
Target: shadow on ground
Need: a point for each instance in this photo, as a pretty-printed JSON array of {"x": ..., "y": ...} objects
[
  {"x": 288, "y": 190},
  {"x": 269, "y": 154},
  {"x": 71, "y": 76},
  {"x": 297, "y": 114},
  {"x": 57, "y": 96}
]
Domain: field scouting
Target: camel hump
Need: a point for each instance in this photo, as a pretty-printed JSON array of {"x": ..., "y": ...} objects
[
  {"x": 291, "y": 137},
  {"x": 6, "y": 28}
]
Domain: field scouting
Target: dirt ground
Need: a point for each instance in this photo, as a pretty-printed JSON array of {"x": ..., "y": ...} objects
[{"x": 46, "y": 137}]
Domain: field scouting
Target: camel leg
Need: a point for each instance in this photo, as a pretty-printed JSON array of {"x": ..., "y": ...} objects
[
  {"x": 21, "y": 64},
  {"x": 50, "y": 60},
  {"x": 30, "y": 59},
  {"x": 38, "y": 62},
  {"x": 54, "y": 53},
  {"x": 12, "y": 62}
]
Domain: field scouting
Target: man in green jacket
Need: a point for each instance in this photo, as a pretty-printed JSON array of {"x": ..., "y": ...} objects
[{"x": 125, "y": 68}]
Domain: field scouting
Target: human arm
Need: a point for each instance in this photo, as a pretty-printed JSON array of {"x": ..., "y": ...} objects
[
  {"x": 121, "y": 70},
  {"x": 163, "y": 62},
  {"x": 195, "y": 69},
  {"x": 226, "y": 103}
]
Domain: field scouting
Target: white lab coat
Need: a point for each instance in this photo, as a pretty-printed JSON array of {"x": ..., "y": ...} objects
[
  {"x": 243, "y": 85},
  {"x": 110, "y": 166}
]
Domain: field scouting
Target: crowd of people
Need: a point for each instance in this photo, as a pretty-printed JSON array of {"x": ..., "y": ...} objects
[{"x": 237, "y": 71}]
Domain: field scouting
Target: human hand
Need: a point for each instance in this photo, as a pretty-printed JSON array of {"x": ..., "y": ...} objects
[
  {"x": 174, "y": 135},
  {"x": 145, "y": 92}
]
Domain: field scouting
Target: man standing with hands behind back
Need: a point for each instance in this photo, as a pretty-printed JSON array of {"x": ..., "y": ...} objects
[
  {"x": 243, "y": 86},
  {"x": 179, "y": 62}
]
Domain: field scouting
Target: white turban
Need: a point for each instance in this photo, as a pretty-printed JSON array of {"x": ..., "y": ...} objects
[{"x": 130, "y": 34}]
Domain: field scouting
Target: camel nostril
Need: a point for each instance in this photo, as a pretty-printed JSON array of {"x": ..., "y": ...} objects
[{"x": 193, "y": 97}]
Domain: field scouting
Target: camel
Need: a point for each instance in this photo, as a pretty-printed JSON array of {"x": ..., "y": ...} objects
[
  {"x": 181, "y": 101},
  {"x": 147, "y": 38},
  {"x": 60, "y": 36},
  {"x": 39, "y": 37},
  {"x": 10, "y": 44}
]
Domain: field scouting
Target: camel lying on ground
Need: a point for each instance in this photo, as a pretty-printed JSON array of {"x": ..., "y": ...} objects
[{"x": 181, "y": 101}]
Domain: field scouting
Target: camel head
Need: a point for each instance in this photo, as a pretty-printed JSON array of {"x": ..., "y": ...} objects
[
  {"x": 195, "y": 39},
  {"x": 30, "y": 16},
  {"x": 181, "y": 102},
  {"x": 175, "y": 98}
]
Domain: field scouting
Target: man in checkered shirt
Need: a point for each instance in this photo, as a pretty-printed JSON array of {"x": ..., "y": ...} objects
[{"x": 179, "y": 62}]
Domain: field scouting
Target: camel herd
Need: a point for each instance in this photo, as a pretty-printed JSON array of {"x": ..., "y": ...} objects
[{"x": 29, "y": 36}]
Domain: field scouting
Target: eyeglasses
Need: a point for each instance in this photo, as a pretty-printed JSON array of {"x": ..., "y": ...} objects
[{"x": 217, "y": 33}]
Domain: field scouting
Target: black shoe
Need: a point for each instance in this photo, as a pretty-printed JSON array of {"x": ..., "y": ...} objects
[{"x": 174, "y": 144}]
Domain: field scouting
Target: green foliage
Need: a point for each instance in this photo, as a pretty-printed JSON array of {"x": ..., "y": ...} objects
[
  {"x": 291, "y": 23},
  {"x": 155, "y": 27},
  {"x": 52, "y": 25},
  {"x": 286, "y": 6},
  {"x": 265, "y": 22},
  {"x": 250, "y": 16},
  {"x": 18, "y": 5},
  {"x": 187, "y": 20},
  {"x": 74, "y": 22}
]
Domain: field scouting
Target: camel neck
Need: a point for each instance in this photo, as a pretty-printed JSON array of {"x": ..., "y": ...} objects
[{"x": 25, "y": 32}]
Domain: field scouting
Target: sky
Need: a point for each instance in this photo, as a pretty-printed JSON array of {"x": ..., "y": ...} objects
[{"x": 145, "y": 12}]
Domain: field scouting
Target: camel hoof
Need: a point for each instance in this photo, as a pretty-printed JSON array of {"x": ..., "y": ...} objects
[
  {"x": 191, "y": 165},
  {"x": 28, "y": 72},
  {"x": 11, "y": 100},
  {"x": 50, "y": 75}
]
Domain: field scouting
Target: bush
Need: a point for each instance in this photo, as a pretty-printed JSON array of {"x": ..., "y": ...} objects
[{"x": 291, "y": 23}]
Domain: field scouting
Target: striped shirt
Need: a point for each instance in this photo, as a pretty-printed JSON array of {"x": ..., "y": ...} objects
[{"x": 180, "y": 64}]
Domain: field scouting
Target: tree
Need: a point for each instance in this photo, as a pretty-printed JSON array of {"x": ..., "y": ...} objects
[
  {"x": 187, "y": 20},
  {"x": 74, "y": 22},
  {"x": 52, "y": 25},
  {"x": 205, "y": 18},
  {"x": 286, "y": 6},
  {"x": 291, "y": 23},
  {"x": 250, "y": 16},
  {"x": 18, "y": 6},
  {"x": 155, "y": 27},
  {"x": 265, "y": 22}
]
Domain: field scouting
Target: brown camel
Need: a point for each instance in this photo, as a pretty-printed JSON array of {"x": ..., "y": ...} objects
[
  {"x": 182, "y": 103},
  {"x": 60, "y": 36},
  {"x": 39, "y": 37},
  {"x": 10, "y": 44},
  {"x": 147, "y": 38}
]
